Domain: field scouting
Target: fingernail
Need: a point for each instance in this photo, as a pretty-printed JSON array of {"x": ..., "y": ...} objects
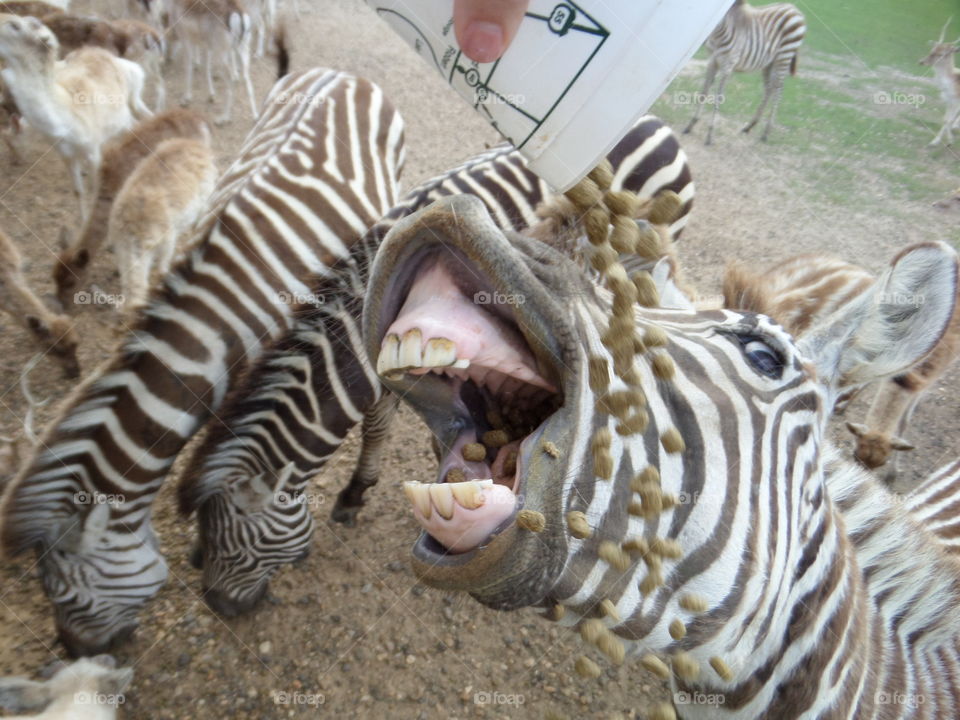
[{"x": 483, "y": 41}]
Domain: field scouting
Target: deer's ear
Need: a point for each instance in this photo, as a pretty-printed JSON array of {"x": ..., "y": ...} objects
[
  {"x": 857, "y": 429},
  {"x": 892, "y": 326},
  {"x": 20, "y": 694}
]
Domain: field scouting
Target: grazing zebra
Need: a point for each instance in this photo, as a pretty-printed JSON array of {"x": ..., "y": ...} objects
[
  {"x": 319, "y": 167},
  {"x": 290, "y": 414},
  {"x": 668, "y": 486},
  {"x": 752, "y": 38}
]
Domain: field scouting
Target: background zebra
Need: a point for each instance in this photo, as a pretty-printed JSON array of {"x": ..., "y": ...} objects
[
  {"x": 319, "y": 167},
  {"x": 292, "y": 411},
  {"x": 706, "y": 522},
  {"x": 752, "y": 38}
]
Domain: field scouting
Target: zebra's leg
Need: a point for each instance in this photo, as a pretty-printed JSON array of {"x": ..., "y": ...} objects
[
  {"x": 767, "y": 92},
  {"x": 724, "y": 75},
  {"x": 778, "y": 78},
  {"x": 707, "y": 82},
  {"x": 376, "y": 424}
]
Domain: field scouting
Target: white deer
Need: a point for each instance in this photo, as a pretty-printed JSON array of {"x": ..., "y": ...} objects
[{"x": 948, "y": 78}]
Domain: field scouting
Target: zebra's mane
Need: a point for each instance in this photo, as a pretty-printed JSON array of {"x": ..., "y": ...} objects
[{"x": 255, "y": 390}]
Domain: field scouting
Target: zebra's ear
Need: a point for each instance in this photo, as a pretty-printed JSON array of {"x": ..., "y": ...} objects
[
  {"x": 892, "y": 326},
  {"x": 22, "y": 695},
  {"x": 250, "y": 493},
  {"x": 283, "y": 477}
]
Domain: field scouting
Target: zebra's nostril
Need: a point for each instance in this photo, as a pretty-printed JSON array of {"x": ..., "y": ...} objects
[{"x": 77, "y": 646}]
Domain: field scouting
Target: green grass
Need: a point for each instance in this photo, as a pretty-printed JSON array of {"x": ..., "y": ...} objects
[
  {"x": 830, "y": 112},
  {"x": 894, "y": 33}
]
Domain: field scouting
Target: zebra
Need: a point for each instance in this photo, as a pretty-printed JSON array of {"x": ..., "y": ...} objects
[
  {"x": 247, "y": 480},
  {"x": 318, "y": 168},
  {"x": 799, "y": 293},
  {"x": 747, "y": 39},
  {"x": 674, "y": 493}
]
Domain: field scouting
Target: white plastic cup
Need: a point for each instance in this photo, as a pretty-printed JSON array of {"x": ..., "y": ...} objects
[{"x": 576, "y": 76}]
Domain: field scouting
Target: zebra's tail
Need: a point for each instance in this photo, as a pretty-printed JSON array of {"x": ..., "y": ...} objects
[
  {"x": 793, "y": 64},
  {"x": 283, "y": 55}
]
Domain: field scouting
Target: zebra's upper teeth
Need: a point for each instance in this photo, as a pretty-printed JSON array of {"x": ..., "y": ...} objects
[{"x": 402, "y": 354}]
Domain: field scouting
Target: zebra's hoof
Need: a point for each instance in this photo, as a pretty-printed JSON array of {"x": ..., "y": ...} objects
[
  {"x": 344, "y": 515},
  {"x": 196, "y": 557}
]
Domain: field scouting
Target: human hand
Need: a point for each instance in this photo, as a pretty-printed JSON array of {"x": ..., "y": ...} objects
[{"x": 484, "y": 28}]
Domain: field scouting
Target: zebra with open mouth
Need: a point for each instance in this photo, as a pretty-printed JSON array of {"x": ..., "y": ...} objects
[{"x": 660, "y": 478}]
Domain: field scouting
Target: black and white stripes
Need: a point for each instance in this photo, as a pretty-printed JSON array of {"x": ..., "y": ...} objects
[
  {"x": 319, "y": 167},
  {"x": 751, "y": 38},
  {"x": 294, "y": 408}
]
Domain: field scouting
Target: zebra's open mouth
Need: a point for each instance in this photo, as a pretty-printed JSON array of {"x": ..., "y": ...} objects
[
  {"x": 451, "y": 325},
  {"x": 463, "y": 325}
]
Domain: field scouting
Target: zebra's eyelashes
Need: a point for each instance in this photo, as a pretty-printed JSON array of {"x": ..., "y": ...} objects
[
  {"x": 762, "y": 356},
  {"x": 764, "y": 353}
]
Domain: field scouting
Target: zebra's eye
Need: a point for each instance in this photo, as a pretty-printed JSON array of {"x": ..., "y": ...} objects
[{"x": 763, "y": 357}]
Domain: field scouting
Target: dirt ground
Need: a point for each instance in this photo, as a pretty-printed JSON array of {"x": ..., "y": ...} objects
[{"x": 349, "y": 632}]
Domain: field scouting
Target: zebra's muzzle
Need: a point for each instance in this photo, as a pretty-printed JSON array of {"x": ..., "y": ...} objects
[{"x": 453, "y": 322}]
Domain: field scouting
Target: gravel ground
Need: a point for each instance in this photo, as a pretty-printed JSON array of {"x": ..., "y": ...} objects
[{"x": 348, "y": 632}]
